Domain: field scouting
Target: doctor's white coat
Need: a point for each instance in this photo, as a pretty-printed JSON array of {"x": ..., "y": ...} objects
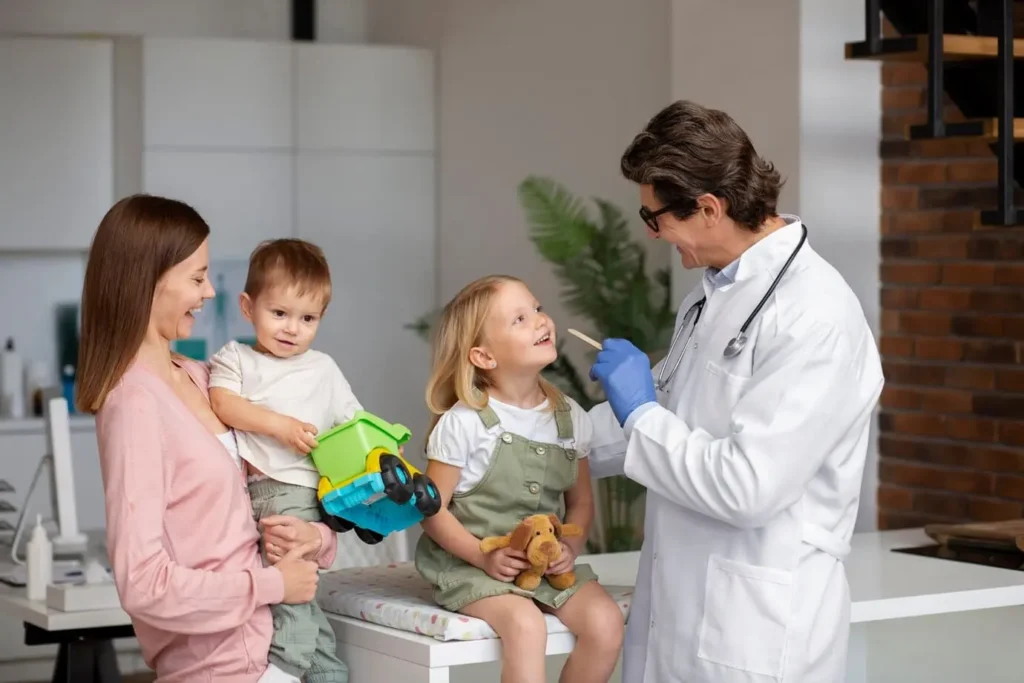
[{"x": 753, "y": 468}]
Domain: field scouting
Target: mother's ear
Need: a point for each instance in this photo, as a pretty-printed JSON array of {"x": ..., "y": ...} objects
[
  {"x": 521, "y": 536},
  {"x": 555, "y": 522}
]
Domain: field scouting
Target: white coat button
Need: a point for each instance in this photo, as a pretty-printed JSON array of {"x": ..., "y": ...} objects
[
  {"x": 541, "y": 450},
  {"x": 534, "y": 488},
  {"x": 736, "y": 427},
  {"x": 506, "y": 437}
]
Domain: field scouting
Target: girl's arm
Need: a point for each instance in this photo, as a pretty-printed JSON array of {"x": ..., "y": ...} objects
[
  {"x": 579, "y": 507},
  {"x": 443, "y": 528}
]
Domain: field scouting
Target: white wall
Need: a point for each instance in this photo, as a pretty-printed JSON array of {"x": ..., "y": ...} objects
[
  {"x": 337, "y": 20},
  {"x": 840, "y": 127},
  {"x": 808, "y": 110},
  {"x": 530, "y": 87}
]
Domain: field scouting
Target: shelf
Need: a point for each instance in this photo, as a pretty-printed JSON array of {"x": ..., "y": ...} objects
[
  {"x": 35, "y": 425},
  {"x": 915, "y": 48}
]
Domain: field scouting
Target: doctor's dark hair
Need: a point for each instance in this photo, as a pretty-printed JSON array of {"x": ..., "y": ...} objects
[
  {"x": 688, "y": 150},
  {"x": 462, "y": 326},
  {"x": 139, "y": 239}
]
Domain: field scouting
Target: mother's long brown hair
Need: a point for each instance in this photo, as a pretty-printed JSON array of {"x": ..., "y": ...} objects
[{"x": 140, "y": 239}]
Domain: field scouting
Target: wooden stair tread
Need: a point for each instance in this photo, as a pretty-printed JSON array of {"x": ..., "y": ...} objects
[
  {"x": 989, "y": 130},
  {"x": 992, "y": 129},
  {"x": 915, "y": 48}
]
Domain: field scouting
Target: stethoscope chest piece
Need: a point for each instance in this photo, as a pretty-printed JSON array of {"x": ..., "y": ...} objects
[{"x": 735, "y": 346}]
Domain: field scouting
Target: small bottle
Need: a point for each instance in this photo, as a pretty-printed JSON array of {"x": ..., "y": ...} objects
[
  {"x": 39, "y": 562},
  {"x": 12, "y": 382}
]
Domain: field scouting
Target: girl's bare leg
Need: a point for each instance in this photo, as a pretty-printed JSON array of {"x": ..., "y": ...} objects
[{"x": 524, "y": 635}]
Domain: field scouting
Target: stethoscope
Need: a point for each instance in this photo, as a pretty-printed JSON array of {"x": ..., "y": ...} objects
[{"x": 737, "y": 343}]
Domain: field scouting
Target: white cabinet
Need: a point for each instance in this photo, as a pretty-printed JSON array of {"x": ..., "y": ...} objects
[
  {"x": 56, "y": 141},
  {"x": 364, "y": 98},
  {"x": 217, "y": 93},
  {"x": 244, "y": 196},
  {"x": 374, "y": 217}
]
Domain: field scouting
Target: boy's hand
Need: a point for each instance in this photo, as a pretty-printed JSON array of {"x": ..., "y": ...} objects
[{"x": 297, "y": 434}]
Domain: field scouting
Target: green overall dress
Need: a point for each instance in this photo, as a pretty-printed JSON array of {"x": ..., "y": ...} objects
[{"x": 524, "y": 478}]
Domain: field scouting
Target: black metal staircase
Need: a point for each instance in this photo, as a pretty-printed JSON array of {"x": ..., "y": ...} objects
[{"x": 970, "y": 52}]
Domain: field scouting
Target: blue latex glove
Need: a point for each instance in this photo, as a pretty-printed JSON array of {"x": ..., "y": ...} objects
[{"x": 625, "y": 373}]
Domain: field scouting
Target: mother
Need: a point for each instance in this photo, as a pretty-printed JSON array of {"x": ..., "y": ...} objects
[{"x": 180, "y": 531}]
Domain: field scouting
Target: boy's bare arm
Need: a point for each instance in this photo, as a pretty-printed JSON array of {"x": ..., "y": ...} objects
[{"x": 241, "y": 414}]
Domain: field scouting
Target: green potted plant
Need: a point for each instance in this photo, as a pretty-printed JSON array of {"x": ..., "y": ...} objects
[{"x": 605, "y": 280}]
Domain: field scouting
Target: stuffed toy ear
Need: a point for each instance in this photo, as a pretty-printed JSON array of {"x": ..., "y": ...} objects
[
  {"x": 521, "y": 536},
  {"x": 555, "y": 522}
]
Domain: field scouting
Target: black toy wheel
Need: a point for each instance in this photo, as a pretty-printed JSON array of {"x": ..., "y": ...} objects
[
  {"x": 368, "y": 537},
  {"x": 396, "y": 478},
  {"x": 335, "y": 524},
  {"x": 428, "y": 499}
]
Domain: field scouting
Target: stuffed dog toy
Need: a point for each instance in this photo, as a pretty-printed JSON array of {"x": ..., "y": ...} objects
[{"x": 539, "y": 536}]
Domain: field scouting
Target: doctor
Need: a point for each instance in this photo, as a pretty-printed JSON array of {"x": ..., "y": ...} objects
[{"x": 750, "y": 435}]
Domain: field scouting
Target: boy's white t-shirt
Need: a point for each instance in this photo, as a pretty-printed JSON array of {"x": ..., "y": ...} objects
[
  {"x": 461, "y": 440},
  {"x": 309, "y": 387}
]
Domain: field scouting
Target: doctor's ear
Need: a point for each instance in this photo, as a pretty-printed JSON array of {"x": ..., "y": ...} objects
[
  {"x": 482, "y": 359},
  {"x": 712, "y": 209}
]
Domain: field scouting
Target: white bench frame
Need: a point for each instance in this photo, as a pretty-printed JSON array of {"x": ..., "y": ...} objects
[{"x": 378, "y": 653}]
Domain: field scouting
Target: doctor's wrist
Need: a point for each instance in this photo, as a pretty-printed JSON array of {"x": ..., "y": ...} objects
[{"x": 638, "y": 412}]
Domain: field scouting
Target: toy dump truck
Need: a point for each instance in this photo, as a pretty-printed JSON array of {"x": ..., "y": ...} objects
[{"x": 365, "y": 483}]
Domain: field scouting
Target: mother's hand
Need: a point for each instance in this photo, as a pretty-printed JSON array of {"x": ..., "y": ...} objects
[{"x": 282, "y": 533}]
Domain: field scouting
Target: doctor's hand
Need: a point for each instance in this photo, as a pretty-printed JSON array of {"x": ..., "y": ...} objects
[{"x": 625, "y": 374}]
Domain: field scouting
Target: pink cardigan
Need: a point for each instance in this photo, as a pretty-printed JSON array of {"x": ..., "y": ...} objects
[{"x": 181, "y": 536}]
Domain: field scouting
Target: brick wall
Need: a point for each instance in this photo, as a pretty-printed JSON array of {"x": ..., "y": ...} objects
[{"x": 952, "y": 424}]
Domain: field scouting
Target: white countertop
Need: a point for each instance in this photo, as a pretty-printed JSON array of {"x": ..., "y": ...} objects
[
  {"x": 883, "y": 585},
  {"x": 888, "y": 585}
]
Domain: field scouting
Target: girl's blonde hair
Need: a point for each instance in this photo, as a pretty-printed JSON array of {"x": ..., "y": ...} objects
[{"x": 453, "y": 377}]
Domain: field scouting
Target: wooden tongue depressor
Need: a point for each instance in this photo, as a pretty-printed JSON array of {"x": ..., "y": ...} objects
[{"x": 583, "y": 337}]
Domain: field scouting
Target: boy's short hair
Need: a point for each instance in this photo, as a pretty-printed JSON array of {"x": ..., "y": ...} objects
[{"x": 289, "y": 262}]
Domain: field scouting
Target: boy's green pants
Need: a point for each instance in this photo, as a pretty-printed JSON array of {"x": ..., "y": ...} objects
[{"x": 303, "y": 643}]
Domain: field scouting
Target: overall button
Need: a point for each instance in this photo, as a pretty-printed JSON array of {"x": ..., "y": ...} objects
[
  {"x": 570, "y": 454},
  {"x": 541, "y": 450},
  {"x": 534, "y": 488},
  {"x": 506, "y": 437}
]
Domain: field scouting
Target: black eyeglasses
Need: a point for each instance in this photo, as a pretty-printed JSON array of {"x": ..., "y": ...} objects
[{"x": 651, "y": 217}]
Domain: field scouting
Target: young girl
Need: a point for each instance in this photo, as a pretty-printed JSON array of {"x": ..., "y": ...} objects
[{"x": 508, "y": 445}]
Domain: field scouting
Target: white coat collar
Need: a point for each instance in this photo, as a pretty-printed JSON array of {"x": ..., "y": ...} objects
[{"x": 768, "y": 253}]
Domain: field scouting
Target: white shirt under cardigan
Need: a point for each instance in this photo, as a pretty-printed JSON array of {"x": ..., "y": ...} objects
[
  {"x": 461, "y": 440},
  {"x": 309, "y": 387}
]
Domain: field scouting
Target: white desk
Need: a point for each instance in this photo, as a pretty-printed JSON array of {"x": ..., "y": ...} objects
[
  {"x": 85, "y": 638},
  {"x": 884, "y": 586}
]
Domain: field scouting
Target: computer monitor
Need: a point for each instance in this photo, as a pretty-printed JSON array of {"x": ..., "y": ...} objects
[{"x": 69, "y": 540}]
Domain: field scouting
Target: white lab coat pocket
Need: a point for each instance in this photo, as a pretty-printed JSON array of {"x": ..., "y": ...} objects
[
  {"x": 746, "y": 616},
  {"x": 720, "y": 392}
]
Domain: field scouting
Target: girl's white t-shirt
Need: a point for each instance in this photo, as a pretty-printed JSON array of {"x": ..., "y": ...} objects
[{"x": 460, "y": 439}]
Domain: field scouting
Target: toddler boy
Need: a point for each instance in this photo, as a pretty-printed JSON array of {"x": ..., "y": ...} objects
[{"x": 279, "y": 395}]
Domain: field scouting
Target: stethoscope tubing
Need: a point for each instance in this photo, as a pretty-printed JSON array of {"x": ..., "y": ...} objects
[{"x": 737, "y": 343}]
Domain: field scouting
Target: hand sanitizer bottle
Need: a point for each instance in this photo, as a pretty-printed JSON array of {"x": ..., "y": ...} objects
[{"x": 40, "y": 562}]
